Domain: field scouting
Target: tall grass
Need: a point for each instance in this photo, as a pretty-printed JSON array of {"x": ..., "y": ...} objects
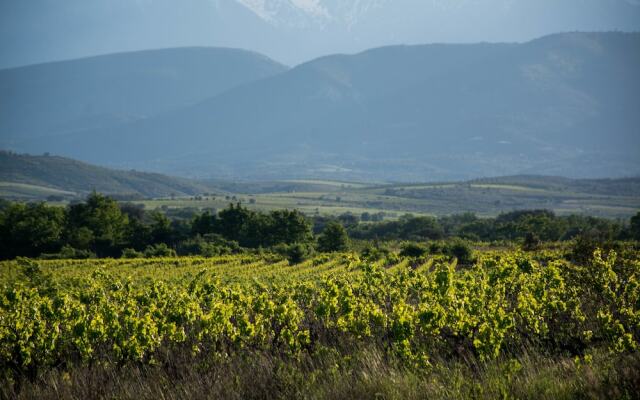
[{"x": 365, "y": 373}]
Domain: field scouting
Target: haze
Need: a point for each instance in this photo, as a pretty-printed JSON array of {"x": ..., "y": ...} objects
[{"x": 289, "y": 31}]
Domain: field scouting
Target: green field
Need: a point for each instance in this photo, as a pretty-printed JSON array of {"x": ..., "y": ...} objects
[
  {"x": 512, "y": 325},
  {"x": 482, "y": 198},
  {"x": 23, "y": 190}
]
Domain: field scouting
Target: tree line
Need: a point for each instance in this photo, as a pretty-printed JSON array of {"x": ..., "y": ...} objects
[{"x": 102, "y": 227}]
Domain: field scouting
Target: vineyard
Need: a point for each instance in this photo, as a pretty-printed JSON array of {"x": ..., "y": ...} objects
[{"x": 65, "y": 314}]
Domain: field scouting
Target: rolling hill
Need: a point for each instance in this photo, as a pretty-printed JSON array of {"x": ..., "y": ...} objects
[
  {"x": 564, "y": 104},
  {"x": 37, "y": 177}
]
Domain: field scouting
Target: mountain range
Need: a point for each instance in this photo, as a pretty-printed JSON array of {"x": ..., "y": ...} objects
[
  {"x": 563, "y": 104},
  {"x": 64, "y": 97},
  {"x": 290, "y": 31}
]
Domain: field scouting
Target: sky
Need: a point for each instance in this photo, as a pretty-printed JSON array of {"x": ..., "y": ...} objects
[{"x": 289, "y": 31}]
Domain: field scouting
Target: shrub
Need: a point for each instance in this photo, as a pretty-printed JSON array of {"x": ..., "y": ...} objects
[
  {"x": 71, "y": 253},
  {"x": 208, "y": 246},
  {"x": 159, "y": 250},
  {"x": 131, "y": 253},
  {"x": 295, "y": 253},
  {"x": 373, "y": 253},
  {"x": 413, "y": 250},
  {"x": 461, "y": 250},
  {"x": 531, "y": 242}
]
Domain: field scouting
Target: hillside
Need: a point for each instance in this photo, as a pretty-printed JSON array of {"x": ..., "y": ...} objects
[
  {"x": 610, "y": 198},
  {"x": 53, "y": 99},
  {"x": 561, "y": 105},
  {"x": 38, "y": 177}
]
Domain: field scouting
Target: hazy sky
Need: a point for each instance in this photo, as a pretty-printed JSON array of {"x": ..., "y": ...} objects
[{"x": 290, "y": 31}]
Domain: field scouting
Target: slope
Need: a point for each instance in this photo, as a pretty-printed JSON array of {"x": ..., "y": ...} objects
[
  {"x": 61, "y": 97},
  {"x": 564, "y": 103},
  {"x": 36, "y": 177}
]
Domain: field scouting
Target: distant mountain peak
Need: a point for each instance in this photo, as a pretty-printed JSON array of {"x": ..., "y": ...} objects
[{"x": 311, "y": 13}]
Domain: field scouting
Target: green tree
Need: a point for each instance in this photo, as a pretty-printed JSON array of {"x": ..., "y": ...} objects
[
  {"x": 30, "y": 229},
  {"x": 333, "y": 238},
  {"x": 634, "y": 226},
  {"x": 161, "y": 231},
  {"x": 284, "y": 226},
  {"x": 233, "y": 223},
  {"x": 97, "y": 224}
]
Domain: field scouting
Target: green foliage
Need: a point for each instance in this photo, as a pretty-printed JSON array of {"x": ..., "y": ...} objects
[
  {"x": 30, "y": 229},
  {"x": 69, "y": 253},
  {"x": 634, "y": 226},
  {"x": 210, "y": 245},
  {"x": 374, "y": 252},
  {"x": 295, "y": 253},
  {"x": 461, "y": 250},
  {"x": 131, "y": 253},
  {"x": 531, "y": 242},
  {"x": 413, "y": 250},
  {"x": 97, "y": 225},
  {"x": 58, "y": 313},
  {"x": 407, "y": 227},
  {"x": 159, "y": 250},
  {"x": 333, "y": 238},
  {"x": 252, "y": 229},
  {"x": 100, "y": 226}
]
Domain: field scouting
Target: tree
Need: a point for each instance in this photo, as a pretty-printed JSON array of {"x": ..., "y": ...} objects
[
  {"x": 284, "y": 226},
  {"x": 634, "y": 226},
  {"x": 333, "y": 238},
  {"x": 30, "y": 229},
  {"x": 233, "y": 221},
  {"x": 98, "y": 224},
  {"x": 204, "y": 224},
  {"x": 161, "y": 231},
  {"x": 531, "y": 242}
]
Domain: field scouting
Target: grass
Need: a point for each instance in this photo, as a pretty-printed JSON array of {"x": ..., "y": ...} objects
[
  {"x": 364, "y": 373},
  {"x": 23, "y": 190}
]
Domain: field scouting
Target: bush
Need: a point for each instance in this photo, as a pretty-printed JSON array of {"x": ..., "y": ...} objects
[
  {"x": 131, "y": 253},
  {"x": 208, "y": 246},
  {"x": 437, "y": 247},
  {"x": 373, "y": 253},
  {"x": 412, "y": 250},
  {"x": 159, "y": 250},
  {"x": 531, "y": 242},
  {"x": 69, "y": 253},
  {"x": 461, "y": 250},
  {"x": 295, "y": 253}
]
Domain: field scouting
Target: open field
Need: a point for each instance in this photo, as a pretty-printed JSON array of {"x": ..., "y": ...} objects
[
  {"x": 23, "y": 190},
  {"x": 483, "y": 198}
]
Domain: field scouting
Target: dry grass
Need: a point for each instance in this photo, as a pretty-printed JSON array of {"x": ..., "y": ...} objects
[{"x": 363, "y": 374}]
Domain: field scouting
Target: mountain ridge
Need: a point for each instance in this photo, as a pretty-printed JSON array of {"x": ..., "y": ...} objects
[
  {"x": 440, "y": 111},
  {"x": 92, "y": 92},
  {"x": 69, "y": 178}
]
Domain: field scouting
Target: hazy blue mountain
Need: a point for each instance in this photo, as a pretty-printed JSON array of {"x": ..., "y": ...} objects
[
  {"x": 564, "y": 104},
  {"x": 27, "y": 176},
  {"x": 62, "y": 97},
  {"x": 291, "y": 31}
]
